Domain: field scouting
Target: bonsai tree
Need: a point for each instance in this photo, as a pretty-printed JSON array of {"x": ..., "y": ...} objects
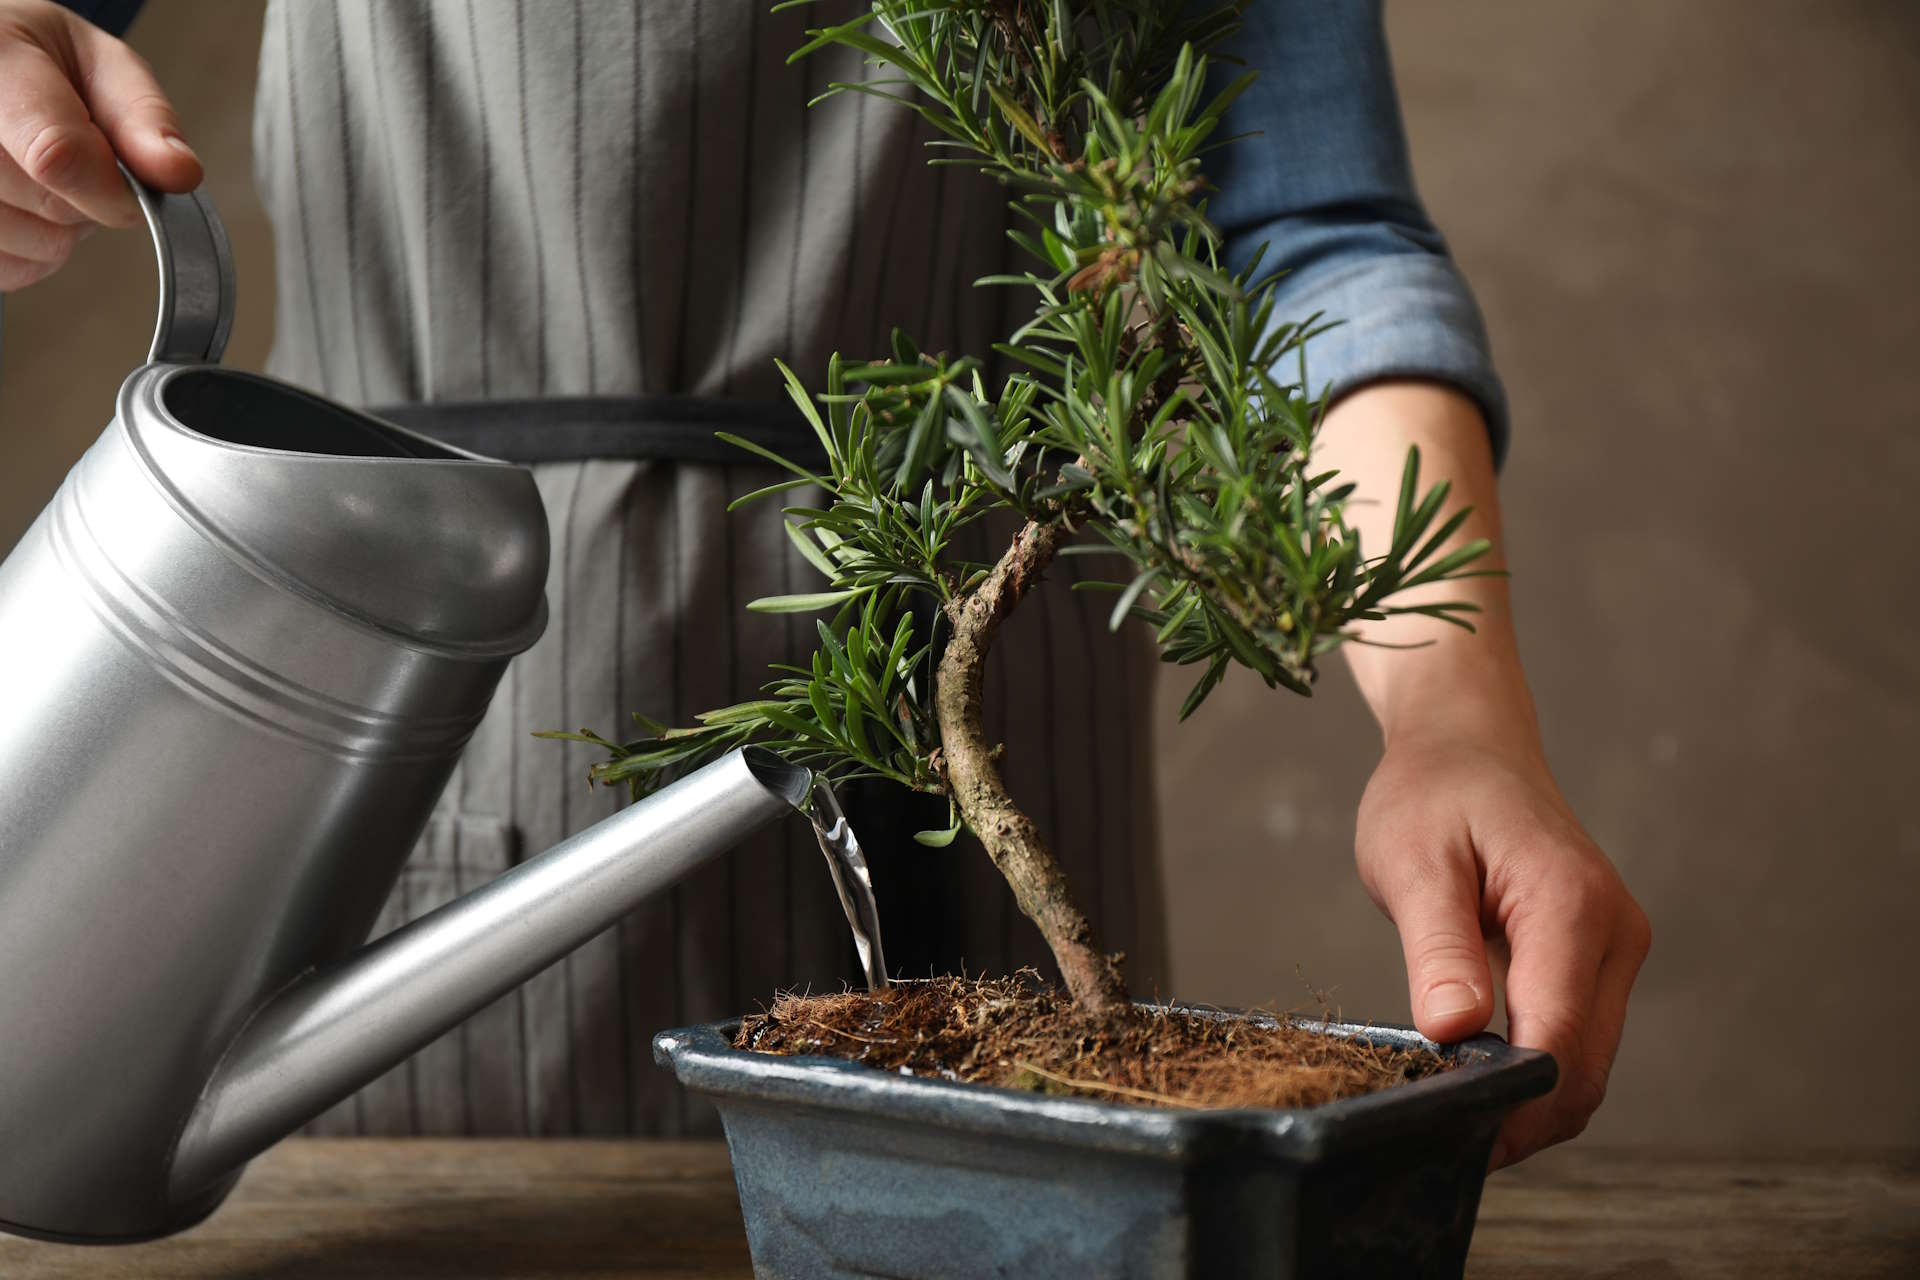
[{"x": 1155, "y": 410}]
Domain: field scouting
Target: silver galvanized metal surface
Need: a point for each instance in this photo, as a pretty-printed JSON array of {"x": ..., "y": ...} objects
[
  {"x": 239, "y": 654},
  {"x": 233, "y": 691},
  {"x": 190, "y": 247},
  {"x": 336, "y": 1029}
]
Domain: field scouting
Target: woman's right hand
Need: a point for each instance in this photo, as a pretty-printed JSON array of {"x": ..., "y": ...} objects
[{"x": 73, "y": 97}]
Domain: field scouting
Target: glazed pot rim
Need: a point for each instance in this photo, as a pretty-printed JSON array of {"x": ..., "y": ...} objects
[{"x": 1491, "y": 1076}]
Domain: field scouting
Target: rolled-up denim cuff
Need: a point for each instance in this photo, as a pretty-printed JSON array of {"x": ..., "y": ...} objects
[{"x": 1401, "y": 315}]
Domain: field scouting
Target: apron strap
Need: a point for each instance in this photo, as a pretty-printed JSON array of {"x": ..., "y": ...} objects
[{"x": 644, "y": 429}]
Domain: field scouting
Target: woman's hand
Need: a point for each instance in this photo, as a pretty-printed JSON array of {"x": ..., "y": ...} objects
[
  {"x": 1463, "y": 838},
  {"x": 72, "y": 98},
  {"x": 1468, "y": 847}
]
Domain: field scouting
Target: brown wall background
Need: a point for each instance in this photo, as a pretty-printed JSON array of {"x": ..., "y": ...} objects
[{"x": 1692, "y": 228}]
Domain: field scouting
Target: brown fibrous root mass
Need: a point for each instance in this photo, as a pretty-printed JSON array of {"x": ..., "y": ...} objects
[{"x": 1017, "y": 1033}]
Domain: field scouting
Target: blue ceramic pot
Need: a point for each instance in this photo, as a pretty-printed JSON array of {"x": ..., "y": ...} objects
[{"x": 848, "y": 1171}]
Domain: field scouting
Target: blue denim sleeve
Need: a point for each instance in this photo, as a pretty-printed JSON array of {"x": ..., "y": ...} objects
[{"x": 1326, "y": 184}]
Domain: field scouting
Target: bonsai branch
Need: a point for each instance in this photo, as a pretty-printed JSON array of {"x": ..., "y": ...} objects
[{"x": 973, "y": 776}]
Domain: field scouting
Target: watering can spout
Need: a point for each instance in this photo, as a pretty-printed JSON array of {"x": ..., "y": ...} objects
[
  {"x": 281, "y": 620},
  {"x": 335, "y": 1029}
]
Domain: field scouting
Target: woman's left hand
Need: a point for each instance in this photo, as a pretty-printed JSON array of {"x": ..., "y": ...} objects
[
  {"x": 1463, "y": 837},
  {"x": 1467, "y": 845}
]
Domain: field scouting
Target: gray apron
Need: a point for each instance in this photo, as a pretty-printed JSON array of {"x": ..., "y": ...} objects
[{"x": 578, "y": 234}]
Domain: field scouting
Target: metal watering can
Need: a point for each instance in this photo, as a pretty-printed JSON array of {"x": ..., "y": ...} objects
[{"x": 240, "y": 652}]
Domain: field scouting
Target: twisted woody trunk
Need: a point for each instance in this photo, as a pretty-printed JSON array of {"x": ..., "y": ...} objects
[
  {"x": 973, "y": 779},
  {"x": 1145, "y": 362}
]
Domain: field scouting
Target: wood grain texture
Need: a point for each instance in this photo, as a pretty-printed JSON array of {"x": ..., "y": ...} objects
[
  {"x": 1591, "y": 1213},
  {"x": 423, "y": 1209}
]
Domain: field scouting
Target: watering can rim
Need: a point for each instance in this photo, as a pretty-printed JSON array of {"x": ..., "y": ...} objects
[{"x": 500, "y": 608}]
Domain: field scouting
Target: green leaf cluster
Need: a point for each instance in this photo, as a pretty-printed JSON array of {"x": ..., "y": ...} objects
[{"x": 1154, "y": 403}]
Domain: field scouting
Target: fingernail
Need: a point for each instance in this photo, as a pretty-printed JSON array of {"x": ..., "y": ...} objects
[
  {"x": 1450, "y": 998},
  {"x": 179, "y": 144}
]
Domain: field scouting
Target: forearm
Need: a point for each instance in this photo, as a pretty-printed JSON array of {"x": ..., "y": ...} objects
[
  {"x": 1467, "y": 685},
  {"x": 1462, "y": 834}
]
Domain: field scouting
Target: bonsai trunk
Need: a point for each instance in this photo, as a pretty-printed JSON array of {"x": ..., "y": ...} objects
[{"x": 973, "y": 777}]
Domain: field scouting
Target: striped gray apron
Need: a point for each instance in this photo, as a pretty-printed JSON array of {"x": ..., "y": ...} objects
[{"x": 577, "y": 234}]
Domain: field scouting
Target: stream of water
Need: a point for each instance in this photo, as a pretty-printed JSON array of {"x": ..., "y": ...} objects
[{"x": 851, "y": 879}]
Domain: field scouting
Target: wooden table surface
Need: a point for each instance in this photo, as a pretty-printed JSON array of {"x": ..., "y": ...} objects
[{"x": 483, "y": 1210}]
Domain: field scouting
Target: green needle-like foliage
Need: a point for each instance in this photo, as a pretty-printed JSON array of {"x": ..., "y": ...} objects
[{"x": 1155, "y": 409}]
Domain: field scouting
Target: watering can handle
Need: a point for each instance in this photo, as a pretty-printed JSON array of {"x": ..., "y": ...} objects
[{"x": 196, "y": 275}]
